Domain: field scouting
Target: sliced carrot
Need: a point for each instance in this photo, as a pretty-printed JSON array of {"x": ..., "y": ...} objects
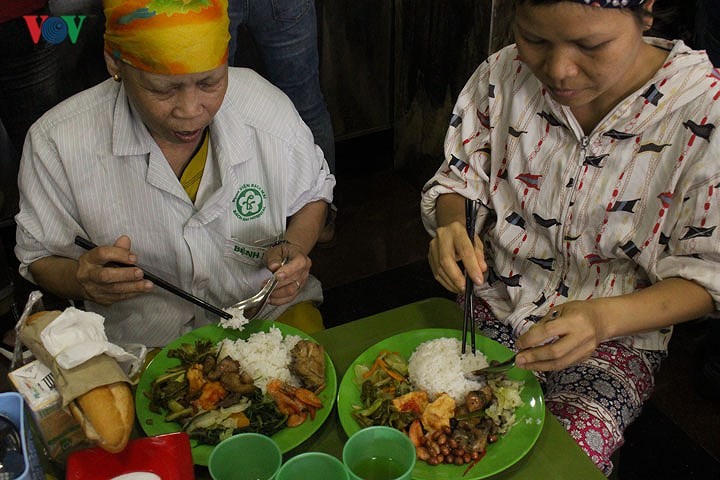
[
  {"x": 390, "y": 371},
  {"x": 389, "y": 390},
  {"x": 379, "y": 362},
  {"x": 373, "y": 368}
]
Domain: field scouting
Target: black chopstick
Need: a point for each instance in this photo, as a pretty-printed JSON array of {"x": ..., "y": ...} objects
[
  {"x": 467, "y": 316},
  {"x": 470, "y": 218},
  {"x": 88, "y": 245}
]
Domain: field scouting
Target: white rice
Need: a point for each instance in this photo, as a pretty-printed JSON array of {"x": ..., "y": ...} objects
[
  {"x": 238, "y": 320},
  {"x": 437, "y": 366},
  {"x": 264, "y": 355}
]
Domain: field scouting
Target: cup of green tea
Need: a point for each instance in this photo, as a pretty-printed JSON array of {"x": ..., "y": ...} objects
[
  {"x": 379, "y": 453},
  {"x": 313, "y": 466},
  {"x": 245, "y": 456}
]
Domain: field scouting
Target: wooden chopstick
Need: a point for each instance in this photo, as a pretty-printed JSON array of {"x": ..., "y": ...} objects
[{"x": 88, "y": 245}]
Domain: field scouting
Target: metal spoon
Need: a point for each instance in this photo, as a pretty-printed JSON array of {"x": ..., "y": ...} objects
[
  {"x": 495, "y": 368},
  {"x": 510, "y": 362},
  {"x": 257, "y": 301}
]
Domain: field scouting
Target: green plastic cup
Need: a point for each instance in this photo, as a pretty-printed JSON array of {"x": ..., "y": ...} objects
[
  {"x": 379, "y": 453},
  {"x": 245, "y": 456},
  {"x": 313, "y": 465}
]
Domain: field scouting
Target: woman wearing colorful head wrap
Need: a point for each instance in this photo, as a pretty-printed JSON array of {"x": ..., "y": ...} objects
[
  {"x": 180, "y": 165},
  {"x": 588, "y": 147}
]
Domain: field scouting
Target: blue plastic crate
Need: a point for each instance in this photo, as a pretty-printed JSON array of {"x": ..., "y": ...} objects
[{"x": 12, "y": 406}]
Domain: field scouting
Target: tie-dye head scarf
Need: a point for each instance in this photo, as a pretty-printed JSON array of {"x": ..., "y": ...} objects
[
  {"x": 169, "y": 37},
  {"x": 611, "y": 3}
]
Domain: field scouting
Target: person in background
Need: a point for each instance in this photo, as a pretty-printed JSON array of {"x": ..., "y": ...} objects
[
  {"x": 204, "y": 174},
  {"x": 30, "y": 84},
  {"x": 285, "y": 34},
  {"x": 588, "y": 147}
]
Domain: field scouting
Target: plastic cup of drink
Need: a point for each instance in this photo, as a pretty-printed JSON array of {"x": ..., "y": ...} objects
[
  {"x": 245, "y": 456},
  {"x": 379, "y": 453},
  {"x": 313, "y": 466}
]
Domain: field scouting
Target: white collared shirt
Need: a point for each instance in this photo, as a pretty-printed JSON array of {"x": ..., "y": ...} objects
[{"x": 91, "y": 168}]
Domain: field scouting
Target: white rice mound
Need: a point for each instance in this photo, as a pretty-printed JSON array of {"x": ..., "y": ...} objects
[
  {"x": 437, "y": 367},
  {"x": 264, "y": 355}
]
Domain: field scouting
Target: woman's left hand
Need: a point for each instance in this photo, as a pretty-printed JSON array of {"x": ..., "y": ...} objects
[
  {"x": 291, "y": 276},
  {"x": 567, "y": 335}
]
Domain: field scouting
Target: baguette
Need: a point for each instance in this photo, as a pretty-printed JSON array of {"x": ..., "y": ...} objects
[
  {"x": 51, "y": 314},
  {"x": 106, "y": 414}
]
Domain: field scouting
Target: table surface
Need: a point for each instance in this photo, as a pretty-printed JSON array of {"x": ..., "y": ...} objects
[{"x": 555, "y": 454}]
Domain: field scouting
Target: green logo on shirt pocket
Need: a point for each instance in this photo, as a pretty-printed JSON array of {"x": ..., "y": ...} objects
[{"x": 249, "y": 202}]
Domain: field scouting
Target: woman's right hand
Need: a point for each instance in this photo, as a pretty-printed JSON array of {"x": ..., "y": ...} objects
[
  {"x": 450, "y": 246},
  {"x": 106, "y": 284}
]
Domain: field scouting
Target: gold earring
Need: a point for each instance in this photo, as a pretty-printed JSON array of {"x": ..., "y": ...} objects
[{"x": 116, "y": 77}]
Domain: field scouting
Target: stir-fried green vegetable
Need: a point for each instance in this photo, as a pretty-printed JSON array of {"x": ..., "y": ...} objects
[
  {"x": 213, "y": 426},
  {"x": 169, "y": 390},
  {"x": 380, "y": 383},
  {"x": 189, "y": 354},
  {"x": 264, "y": 416},
  {"x": 169, "y": 395}
]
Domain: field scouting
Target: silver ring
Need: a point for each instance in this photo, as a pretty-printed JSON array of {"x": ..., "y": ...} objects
[{"x": 298, "y": 284}]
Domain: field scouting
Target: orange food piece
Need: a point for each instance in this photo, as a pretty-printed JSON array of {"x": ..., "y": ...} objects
[
  {"x": 241, "y": 420},
  {"x": 196, "y": 380},
  {"x": 297, "y": 403},
  {"x": 212, "y": 393},
  {"x": 415, "y": 432},
  {"x": 438, "y": 413},
  {"x": 415, "y": 402}
]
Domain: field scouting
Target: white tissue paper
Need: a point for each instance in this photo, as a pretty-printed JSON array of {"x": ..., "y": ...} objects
[{"x": 76, "y": 336}]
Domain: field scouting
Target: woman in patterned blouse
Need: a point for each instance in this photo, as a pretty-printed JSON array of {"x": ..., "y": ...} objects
[{"x": 591, "y": 151}]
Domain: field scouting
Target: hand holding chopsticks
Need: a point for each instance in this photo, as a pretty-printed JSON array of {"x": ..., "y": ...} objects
[
  {"x": 471, "y": 213},
  {"x": 88, "y": 245}
]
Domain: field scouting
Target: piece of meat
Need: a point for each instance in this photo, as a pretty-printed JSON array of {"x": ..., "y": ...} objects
[
  {"x": 479, "y": 438},
  {"x": 234, "y": 383},
  {"x": 208, "y": 365},
  {"x": 308, "y": 363},
  {"x": 226, "y": 365},
  {"x": 479, "y": 399}
]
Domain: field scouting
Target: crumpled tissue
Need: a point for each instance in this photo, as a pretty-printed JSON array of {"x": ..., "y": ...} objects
[{"x": 76, "y": 336}]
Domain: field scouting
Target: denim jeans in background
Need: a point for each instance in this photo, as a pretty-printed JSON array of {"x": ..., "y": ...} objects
[
  {"x": 285, "y": 32},
  {"x": 707, "y": 29}
]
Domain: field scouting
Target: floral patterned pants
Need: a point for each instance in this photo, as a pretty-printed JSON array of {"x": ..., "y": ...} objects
[{"x": 596, "y": 399}]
